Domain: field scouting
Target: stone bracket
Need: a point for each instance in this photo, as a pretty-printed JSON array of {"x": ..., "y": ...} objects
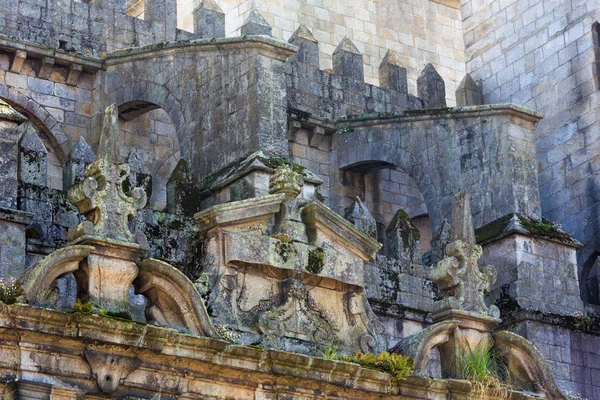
[
  {"x": 73, "y": 77},
  {"x": 18, "y": 61},
  {"x": 46, "y": 68}
]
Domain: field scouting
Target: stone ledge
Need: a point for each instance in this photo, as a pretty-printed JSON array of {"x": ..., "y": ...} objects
[
  {"x": 16, "y": 216},
  {"x": 524, "y": 225},
  {"x": 70, "y": 333},
  {"x": 355, "y": 121},
  {"x": 38, "y": 51},
  {"x": 271, "y": 46}
]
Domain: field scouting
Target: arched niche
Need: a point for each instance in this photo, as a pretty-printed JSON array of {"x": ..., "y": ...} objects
[
  {"x": 386, "y": 189},
  {"x": 55, "y": 152}
]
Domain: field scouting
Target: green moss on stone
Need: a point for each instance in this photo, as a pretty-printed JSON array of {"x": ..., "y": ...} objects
[
  {"x": 316, "y": 260},
  {"x": 276, "y": 162}
]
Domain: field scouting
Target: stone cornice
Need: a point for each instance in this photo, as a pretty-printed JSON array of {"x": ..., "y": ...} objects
[
  {"x": 488, "y": 110},
  {"x": 267, "y": 46},
  {"x": 37, "y": 50},
  {"x": 70, "y": 333}
]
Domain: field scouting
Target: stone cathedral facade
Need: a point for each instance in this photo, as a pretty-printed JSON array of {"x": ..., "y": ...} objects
[{"x": 228, "y": 199}]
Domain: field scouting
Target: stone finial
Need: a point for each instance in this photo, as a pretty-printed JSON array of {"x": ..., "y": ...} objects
[
  {"x": 33, "y": 158},
  {"x": 348, "y": 61},
  {"x": 80, "y": 156},
  {"x": 100, "y": 196},
  {"x": 403, "y": 239},
  {"x": 458, "y": 275},
  {"x": 392, "y": 75},
  {"x": 362, "y": 218},
  {"x": 431, "y": 88},
  {"x": 468, "y": 93},
  {"x": 209, "y": 20},
  {"x": 308, "y": 47},
  {"x": 255, "y": 24},
  {"x": 286, "y": 181},
  {"x": 462, "y": 222}
]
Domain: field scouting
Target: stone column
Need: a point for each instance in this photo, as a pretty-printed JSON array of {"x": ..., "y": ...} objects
[{"x": 12, "y": 222}]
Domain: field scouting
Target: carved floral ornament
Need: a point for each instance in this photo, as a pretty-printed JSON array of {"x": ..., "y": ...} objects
[
  {"x": 104, "y": 258},
  {"x": 464, "y": 321}
]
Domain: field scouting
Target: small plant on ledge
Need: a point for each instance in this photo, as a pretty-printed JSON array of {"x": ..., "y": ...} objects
[
  {"x": 84, "y": 308},
  {"x": 330, "y": 350},
  {"x": 583, "y": 321},
  {"x": 396, "y": 364},
  {"x": 316, "y": 260},
  {"x": 485, "y": 369},
  {"x": 282, "y": 237},
  {"x": 10, "y": 290}
]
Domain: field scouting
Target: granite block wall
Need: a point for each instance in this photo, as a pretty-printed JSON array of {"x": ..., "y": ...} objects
[
  {"x": 421, "y": 31},
  {"x": 541, "y": 54}
]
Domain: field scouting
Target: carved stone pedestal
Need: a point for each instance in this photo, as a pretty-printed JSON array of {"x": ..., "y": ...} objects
[{"x": 108, "y": 272}]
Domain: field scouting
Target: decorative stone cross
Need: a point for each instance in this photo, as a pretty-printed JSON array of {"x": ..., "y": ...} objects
[
  {"x": 458, "y": 275},
  {"x": 100, "y": 196}
]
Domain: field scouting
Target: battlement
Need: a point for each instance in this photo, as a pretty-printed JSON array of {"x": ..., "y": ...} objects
[{"x": 104, "y": 26}]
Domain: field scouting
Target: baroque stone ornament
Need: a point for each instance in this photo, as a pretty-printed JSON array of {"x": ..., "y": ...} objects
[
  {"x": 458, "y": 275},
  {"x": 295, "y": 317},
  {"x": 100, "y": 197},
  {"x": 286, "y": 181},
  {"x": 288, "y": 273}
]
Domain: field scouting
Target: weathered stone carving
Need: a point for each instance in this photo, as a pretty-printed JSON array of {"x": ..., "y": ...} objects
[
  {"x": 110, "y": 369},
  {"x": 362, "y": 218},
  {"x": 173, "y": 299},
  {"x": 295, "y": 317},
  {"x": 403, "y": 239},
  {"x": 458, "y": 275},
  {"x": 288, "y": 273},
  {"x": 103, "y": 255},
  {"x": 100, "y": 197},
  {"x": 461, "y": 320}
]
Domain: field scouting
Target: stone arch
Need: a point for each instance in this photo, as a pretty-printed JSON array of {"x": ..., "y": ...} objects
[
  {"x": 42, "y": 120},
  {"x": 48, "y": 130},
  {"x": 399, "y": 157},
  {"x": 148, "y": 130}
]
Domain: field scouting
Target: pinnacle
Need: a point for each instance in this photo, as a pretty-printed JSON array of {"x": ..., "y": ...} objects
[
  {"x": 392, "y": 57},
  {"x": 108, "y": 138},
  {"x": 468, "y": 83},
  {"x": 347, "y": 46},
  {"x": 210, "y": 5},
  {"x": 82, "y": 151},
  {"x": 462, "y": 224},
  {"x": 302, "y": 33},
  {"x": 255, "y": 17}
]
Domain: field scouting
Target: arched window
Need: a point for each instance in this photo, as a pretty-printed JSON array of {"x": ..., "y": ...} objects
[{"x": 596, "y": 64}]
